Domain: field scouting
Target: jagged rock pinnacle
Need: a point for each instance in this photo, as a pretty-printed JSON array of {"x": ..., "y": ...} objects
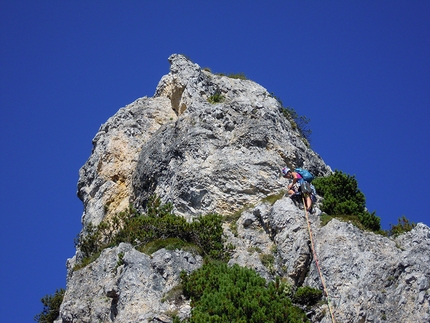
[{"x": 209, "y": 143}]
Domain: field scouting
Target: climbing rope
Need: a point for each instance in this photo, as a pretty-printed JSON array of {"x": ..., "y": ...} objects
[{"x": 316, "y": 260}]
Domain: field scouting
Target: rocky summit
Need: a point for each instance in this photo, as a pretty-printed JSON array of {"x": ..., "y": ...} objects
[{"x": 209, "y": 144}]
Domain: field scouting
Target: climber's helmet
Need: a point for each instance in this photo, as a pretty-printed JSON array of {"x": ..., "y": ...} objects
[{"x": 285, "y": 171}]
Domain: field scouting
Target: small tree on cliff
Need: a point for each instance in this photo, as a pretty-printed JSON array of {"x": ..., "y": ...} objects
[
  {"x": 342, "y": 197},
  {"x": 51, "y": 307}
]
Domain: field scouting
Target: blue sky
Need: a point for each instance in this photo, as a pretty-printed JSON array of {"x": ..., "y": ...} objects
[{"x": 360, "y": 70}]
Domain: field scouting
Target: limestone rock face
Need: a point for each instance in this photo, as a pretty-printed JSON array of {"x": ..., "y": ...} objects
[
  {"x": 104, "y": 184},
  {"x": 226, "y": 157},
  {"x": 218, "y": 157},
  {"x": 369, "y": 278},
  {"x": 125, "y": 285}
]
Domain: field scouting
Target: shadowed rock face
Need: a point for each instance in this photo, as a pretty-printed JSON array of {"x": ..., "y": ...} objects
[
  {"x": 104, "y": 184},
  {"x": 226, "y": 157}
]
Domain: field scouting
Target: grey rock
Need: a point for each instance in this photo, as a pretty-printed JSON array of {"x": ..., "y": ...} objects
[
  {"x": 130, "y": 291},
  {"x": 218, "y": 157},
  {"x": 226, "y": 158},
  {"x": 104, "y": 184}
]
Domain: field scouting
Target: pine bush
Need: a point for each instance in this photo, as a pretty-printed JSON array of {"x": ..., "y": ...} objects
[
  {"x": 342, "y": 197},
  {"x": 51, "y": 307},
  {"x": 158, "y": 224},
  {"x": 220, "y": 293},
  {"x": 307, "y": 295}
]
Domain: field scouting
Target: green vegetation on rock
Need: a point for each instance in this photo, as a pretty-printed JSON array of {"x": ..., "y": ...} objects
[
  {"x": 159, "y": 228},
  {"x": 403, "y": 225},
  {"x": 341, "y": 197},
  {"x": 239, "y": 76},
  {"x": 307, "y": 295},
  {"x": 51, "y": 307},
  {"x": 220, "y": 293},
  {"x": 217, "y": 97},
  {"x": 298, "y": 122}
]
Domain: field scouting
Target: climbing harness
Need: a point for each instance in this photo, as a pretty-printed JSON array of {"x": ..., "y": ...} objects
[{"x": 316, "y": 261}]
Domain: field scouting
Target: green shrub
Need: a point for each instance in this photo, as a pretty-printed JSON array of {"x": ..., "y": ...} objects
[
  {"x": 217, "y": 97},
  {"x": 51, "y": 307},
  {"x": 307, "y": 296},
  {"x": 298, "y": 122},
  {"x": 325, "y": 218},
  {"x": 240, "y": 76},
  {"x": 403, "y": 225},
  {"x": 370, "y": 221},
  {"x": 169, "y": 244},
  {"x": 267, "y": 260},
  {"x": 220, "y": 293},
  {"x": 341, "y": 194},
  {"x": 342, "y": 197},
  {"x": 159, "y": 226}
]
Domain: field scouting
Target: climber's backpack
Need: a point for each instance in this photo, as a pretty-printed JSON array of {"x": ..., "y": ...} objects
[
  {"x": 308, "y": 177},
  {"x": 305, "y": 188}
]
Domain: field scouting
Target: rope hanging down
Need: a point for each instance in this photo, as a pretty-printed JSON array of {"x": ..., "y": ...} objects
[{"x": 316, "y": 261}]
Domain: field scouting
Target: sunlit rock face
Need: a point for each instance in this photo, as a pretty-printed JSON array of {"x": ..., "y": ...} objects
[
  {"x": 218, "y": 157},
  {"x": 208, "y": 143}
]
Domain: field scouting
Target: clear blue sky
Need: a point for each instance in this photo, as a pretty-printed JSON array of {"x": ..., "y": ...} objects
[{"x": 360, "y": 70}]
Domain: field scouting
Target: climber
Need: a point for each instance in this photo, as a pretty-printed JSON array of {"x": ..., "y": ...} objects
[{"x": 294, "y": 188}]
